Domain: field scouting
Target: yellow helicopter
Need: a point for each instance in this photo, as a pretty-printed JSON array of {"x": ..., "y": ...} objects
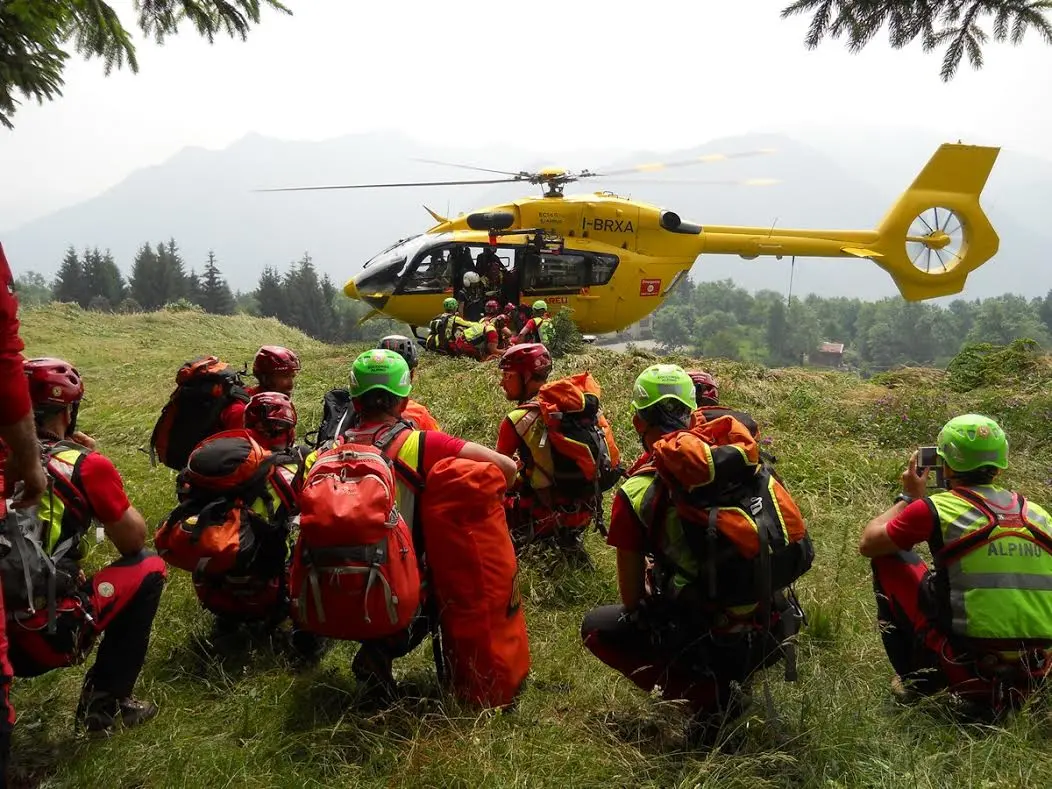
[{"x": 613, "y": 260}]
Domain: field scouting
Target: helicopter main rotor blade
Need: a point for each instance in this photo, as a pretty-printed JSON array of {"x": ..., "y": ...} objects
[
  {"x": 700, "y": 182},
  {"x": 707, "y": 158},
  {"x": 390, "y": 186},
  {"x": 466, "y": 167}
]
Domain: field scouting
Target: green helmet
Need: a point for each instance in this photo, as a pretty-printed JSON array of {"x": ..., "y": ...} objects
[
  {"x": 380, "y": 369},
  {"x": 971, "y": 441},
  {"x": 539, "y": 307},
  {"x": 663, "y": 382},
  {"x": 450, "y": 305}
]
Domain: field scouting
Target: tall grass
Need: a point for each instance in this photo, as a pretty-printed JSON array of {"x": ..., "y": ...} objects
[{"x": 253, "y": 720}]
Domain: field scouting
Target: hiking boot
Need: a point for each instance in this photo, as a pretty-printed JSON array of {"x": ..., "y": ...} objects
[
  {"x": 571, "y": 548},
  {"x": 102, "y": 713},
  {"x": 375, "y": 673},
  {"x": 308, "y": 649}
]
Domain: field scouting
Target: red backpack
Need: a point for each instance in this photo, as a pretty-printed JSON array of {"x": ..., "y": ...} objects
[
  {"x": 214, "y": 530},
  {"x": 354, "y": 573},
  {"x": 204, "y": 388}
]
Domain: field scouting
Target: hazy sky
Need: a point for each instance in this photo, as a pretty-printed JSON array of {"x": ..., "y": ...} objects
[{"x": 598, "y": 72}]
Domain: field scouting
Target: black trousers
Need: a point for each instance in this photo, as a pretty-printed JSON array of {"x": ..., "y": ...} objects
[{"x": 696, "y": 665}]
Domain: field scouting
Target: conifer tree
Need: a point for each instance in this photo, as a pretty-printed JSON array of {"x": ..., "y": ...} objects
[
  {"x": 70, "y": 285},
  {"x": 145, "y": 286},
  {"x": 955, "y": 24},
  {"x": 270, "y": 295},
  {"x": 175, "y": 284},
  {"x": 215, "y": 293},
  {"x": 35, "y": 34},
  {"x": 102, "y": 277}
]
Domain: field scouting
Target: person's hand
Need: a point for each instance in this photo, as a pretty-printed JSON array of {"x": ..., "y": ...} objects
[
  {"x": 913, "y": 484},
  {"x": 25, "y": 467},
  {"x": 83, "y": 439}
]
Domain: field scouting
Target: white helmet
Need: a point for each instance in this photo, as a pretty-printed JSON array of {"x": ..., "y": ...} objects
[{"x": 471, "y": 278}]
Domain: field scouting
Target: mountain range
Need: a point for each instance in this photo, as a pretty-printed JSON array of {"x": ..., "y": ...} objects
[{"x": 205, "y": 199}]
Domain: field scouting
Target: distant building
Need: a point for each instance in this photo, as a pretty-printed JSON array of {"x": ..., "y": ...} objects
[
  {"x": 828, "y": 354},
  {"x": 641, "y": 330}
]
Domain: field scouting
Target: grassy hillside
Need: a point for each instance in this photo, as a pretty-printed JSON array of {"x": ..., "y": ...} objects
[{"x": 253, "y": 722}]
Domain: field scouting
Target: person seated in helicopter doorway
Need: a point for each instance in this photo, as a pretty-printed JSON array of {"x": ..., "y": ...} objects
[
  {"x": 472, "y": 297},
  {"x": 488, "y": 266}
]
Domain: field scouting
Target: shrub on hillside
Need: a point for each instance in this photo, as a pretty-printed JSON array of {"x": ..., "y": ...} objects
[
  {"x": 568, "y": 338},
  {"x": 182, "y": 305},
  {"x": 986, "y": 364}
]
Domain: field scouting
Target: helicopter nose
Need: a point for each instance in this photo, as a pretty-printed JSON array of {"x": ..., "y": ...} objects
[{"x": 350, "y": 290}]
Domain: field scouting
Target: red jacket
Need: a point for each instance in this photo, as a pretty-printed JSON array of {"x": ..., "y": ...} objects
[{"x": 14, "y": 392}]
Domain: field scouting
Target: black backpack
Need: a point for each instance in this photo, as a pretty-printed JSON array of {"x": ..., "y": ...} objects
[
  {"x": 205, "y": 387},
  {"x": 337, "y": 416}
]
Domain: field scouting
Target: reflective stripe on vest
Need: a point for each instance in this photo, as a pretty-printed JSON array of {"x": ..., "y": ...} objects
[
  {"x": 64, "y": 509},
  {"x": 1000, "y": 585},
  {"x": 538, "y": 466},
  {"x": 475, "y": 333},
  {"x": 645, "y": 497}
]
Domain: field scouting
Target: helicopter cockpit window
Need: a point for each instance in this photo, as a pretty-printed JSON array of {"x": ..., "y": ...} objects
[
  {"x": 384, "y": 271},
  {"x": 432, "y": 274}
]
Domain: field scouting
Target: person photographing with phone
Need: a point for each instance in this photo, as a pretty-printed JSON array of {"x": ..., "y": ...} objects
[{"x": 979, "y": 622}]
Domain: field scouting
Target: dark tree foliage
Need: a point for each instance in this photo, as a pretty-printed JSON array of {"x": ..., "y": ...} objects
[
  {"x": 955, "y": 25},
  {"x": 34, "y": 35},
  {"x": 102, "y": 278},
  {"x": 215, "y": 293},
  {"x": 69, "y": 282}
]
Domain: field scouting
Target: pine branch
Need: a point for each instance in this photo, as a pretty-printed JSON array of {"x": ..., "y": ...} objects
[{"x": 950, "y": 23}]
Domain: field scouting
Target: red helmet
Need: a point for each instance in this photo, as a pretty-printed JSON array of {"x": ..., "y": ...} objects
[
  {"x": 53, "y": 382},
  {"x": 272, "y": 414},
  {"x": 528, "y": 359},
  {"x": 492, "y": 307},
  {"x": 274, "y": 360},
  {"x": 706, "y": 390}
]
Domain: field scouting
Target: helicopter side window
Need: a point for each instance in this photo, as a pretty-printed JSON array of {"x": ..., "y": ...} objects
[
  {"x": 602, "y": 269},
  {"x": 567, "y": 272}
]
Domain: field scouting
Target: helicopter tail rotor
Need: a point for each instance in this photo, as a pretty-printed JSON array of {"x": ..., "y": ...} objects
[{"x": 937, "y": 233}]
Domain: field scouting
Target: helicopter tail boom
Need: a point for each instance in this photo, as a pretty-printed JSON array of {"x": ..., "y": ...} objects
[{"x": 929, "y": 241}]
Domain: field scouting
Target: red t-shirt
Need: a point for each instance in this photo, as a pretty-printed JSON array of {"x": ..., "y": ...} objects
[
  {"x": 434, "y": 446},
  {"x": 915, "y": 524},
  {"x": 507, "y": 438},
  {"x": 626, "y": 532},
  {"x": 101, "y": 484},
  {"x": 233, "y": 416},
  {"x": 14, "y": 392}
]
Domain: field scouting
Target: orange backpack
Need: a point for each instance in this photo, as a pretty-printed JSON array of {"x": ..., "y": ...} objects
[
  {"x": 354, "y": 573},
  {"x": 585, "y": 460},
  {"x": 204, "y": 387},
  {"x": 474, "y": 582},
  {"x": 214, "y": 530},
  {"x": 742, "y": 527}
]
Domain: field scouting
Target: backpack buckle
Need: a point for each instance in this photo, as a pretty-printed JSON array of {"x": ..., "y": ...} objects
[{"x": 755, "y": 505}]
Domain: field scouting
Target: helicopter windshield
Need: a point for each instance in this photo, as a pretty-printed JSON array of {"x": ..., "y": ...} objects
[{"x": 382, "y": 273}]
